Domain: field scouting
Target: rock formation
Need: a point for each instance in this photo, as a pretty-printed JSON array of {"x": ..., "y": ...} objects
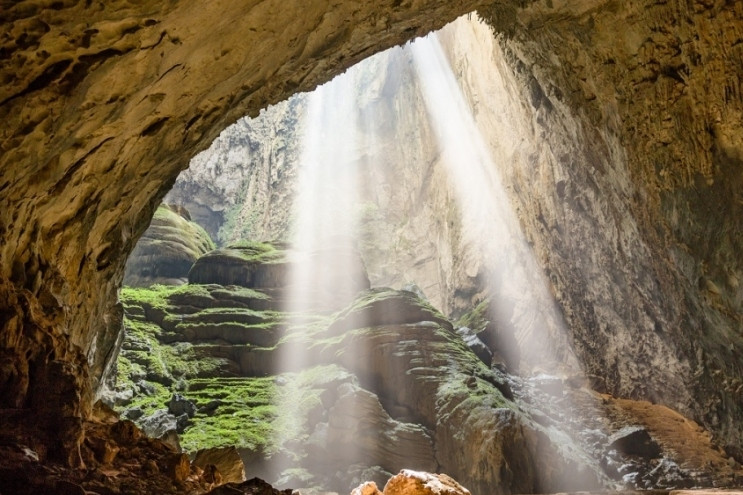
[
  {"x": 409, "y": 482},
  {"x": 326, "y": 400},
  {"x": 103, "y": 104},
  {"x": 167, "y": 250}
]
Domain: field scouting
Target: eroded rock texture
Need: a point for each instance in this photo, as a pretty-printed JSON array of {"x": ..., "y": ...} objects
[
  {"x": 641, "y": 230},
  {"x": 325, "y": 401}
]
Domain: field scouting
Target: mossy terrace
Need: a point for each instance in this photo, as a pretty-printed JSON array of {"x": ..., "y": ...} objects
[{"x": 267, "y": 381}]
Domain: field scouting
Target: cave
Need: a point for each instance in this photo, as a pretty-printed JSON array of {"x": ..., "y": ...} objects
[{"x": 104, "y": 105}]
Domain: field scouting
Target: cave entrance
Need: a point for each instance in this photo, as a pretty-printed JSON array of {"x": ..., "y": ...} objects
[{"x": 287, "y": 350}]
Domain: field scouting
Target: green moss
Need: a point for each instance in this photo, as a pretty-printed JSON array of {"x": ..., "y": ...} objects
[
  {"x": 153, "y": 296},
  {"x": 171, "y": 226},
  {"x": 244, "y": 418},
  {"x": 238, "y": 293},
  {"x": 384, "y": 306},
  {"x": 255, "y": 252},
  {"x": 478, "y": 319}
]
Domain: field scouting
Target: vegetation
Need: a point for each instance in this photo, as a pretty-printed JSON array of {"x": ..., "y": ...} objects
[
  {"x": 244, "y": 417},
  {"x": 477, "y": 319},
  {"x": 211, "y": 344},
  {"x": 156, "y": 363}
]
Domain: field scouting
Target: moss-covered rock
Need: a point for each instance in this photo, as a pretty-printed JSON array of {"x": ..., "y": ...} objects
[
  {"x": 383, "y": 306},
  {"x": 167, "y": 249},
  {"x": 247, "y": 264},
  {"x": 499, "y": 341},
  {"x": 381, "y": 385}
]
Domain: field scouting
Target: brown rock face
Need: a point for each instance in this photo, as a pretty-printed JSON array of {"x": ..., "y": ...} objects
[
  {"x": 227, "y": 461},
  {"x": 643, "y": 250},
  {"x": 419, "y": 483}
]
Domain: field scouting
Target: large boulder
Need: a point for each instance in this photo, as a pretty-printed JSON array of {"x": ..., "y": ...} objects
[
  {"x": 409, "y": 482},
  {"x": 247, "y": 264},
  {"x": 383, "y": 306},
  {"x": 167, "y": 249}
]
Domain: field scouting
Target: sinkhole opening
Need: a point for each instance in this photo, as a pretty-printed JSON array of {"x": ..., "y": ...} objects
[{"x": 344, "y": 287}]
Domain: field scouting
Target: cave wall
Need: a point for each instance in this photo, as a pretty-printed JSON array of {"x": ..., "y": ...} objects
[
  {"x": 246, "y": 183},
  {"x": 641, "y": 233},
  {"x": 102, "y": 106}
]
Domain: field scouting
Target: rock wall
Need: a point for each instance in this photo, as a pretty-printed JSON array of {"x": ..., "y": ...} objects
[
  {"x": 409, "y": 232},
  {"x": 639, "y": 232},
  {"x": 240, "y": 187}
]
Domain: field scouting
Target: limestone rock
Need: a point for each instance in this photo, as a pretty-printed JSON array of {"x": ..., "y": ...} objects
[
  {"x": 409, "y": 482},
  {"x": 179, "y": 405},
  {"x": 606, "y": 235},
  {"x": 366, "y": 488},
  {"x": 358, "y": 429},
  {"x": 167, "y": 249},
  {"x": 253, "y": 486},
  {"x": 254, "y": 265},
  {"x": 178, "y": 467},
  {"x": 478, "y": 346},
  {"x": 160, "y": 423},
  {"x": 227, "y": 460},
  {"x": 99, "y": 117},
  {"x": 381, "y": 306}
]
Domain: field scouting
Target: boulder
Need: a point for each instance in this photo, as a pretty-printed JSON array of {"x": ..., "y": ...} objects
[
  {"x": 367, "y": 488},
  {"x": 133, "y": 414},
  {"x": 246, "y": 264},
  {"x": 159, "y": 423},
  {"x": 253, "y": 486},
  {"x": 167, "y": 249},
  {"x": 227, "y": 460},
  {"x": 409, "y": 482},
  {"x": 384, "y": 306},
  {"x": 179, "y": 405}
]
